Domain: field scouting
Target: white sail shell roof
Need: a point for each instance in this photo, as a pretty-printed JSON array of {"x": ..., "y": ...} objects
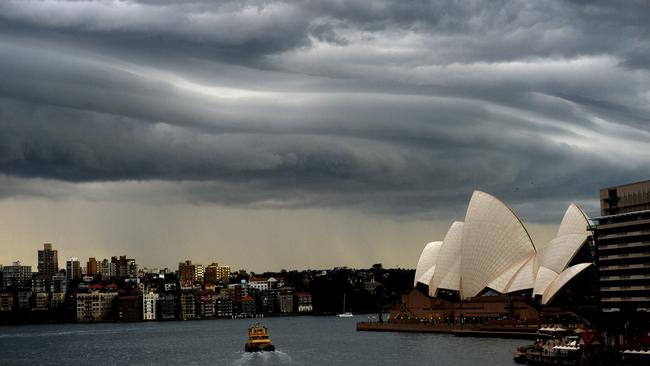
[
  {"x": 500, "y": 284},
  {"x": 571, "y": 236},
  {"x": 493, "y": 249},
  {"x": 557, "y": 254},
  {"x": 426, "y": 277},
  {"x": 573, "y": 222},
  {"x": 562, "y": 280},
  {"x": 494, "y": 240},
  {"x": 447, "y": 274},
  {"x": 524, "y": 278},
  {"x": 427, "y": 262},
  {"x": 543, "y": 279},
  {"x": 451, "y": 281}
]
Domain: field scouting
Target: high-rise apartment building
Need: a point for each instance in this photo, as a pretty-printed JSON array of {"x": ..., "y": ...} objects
[
  {"x": 59, "y": 283},
  {"x": 6, "y": 301},
  {"x": 212, "y": 273},
  {"x": 215, "y": 273},
  {"x": 223, "y": 306},
  {"x": 125, "y": 267},
  {"x": 92, "y": 267},
  {"x": 187, "y": 271},
  {"x": 223, "y": 274},
  {"x": 633, "y": 197},
  {"x": 108, "y": 269},
  {"x": 17, "y": 276},
  {"x": 188, "y": 306},
  {"x": 41, "y": 301},
  {"x": 39, "y": 284},
  {"x": 167, "y": 304},
  {"x": 199, "y": 272},
  {"x": 94, "y": 305},
  {"x": 149, "y": 305},
  {"x": 205, "y": 305},
  {"x": 57, "y": 300},
  {"x": 622, "y": 245},
  {"x": 23, "y": 299},
  {"x": 48, "y": 262},
  {"x": 73, "y": 268},
  {"x": 129, "y": 308}
]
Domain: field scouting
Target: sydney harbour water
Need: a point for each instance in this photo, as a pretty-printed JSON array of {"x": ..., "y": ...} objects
[{"x": 306, "y": 340}]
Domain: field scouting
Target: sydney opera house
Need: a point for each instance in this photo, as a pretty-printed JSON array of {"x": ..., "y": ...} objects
[{"x": 492, "y": 253}]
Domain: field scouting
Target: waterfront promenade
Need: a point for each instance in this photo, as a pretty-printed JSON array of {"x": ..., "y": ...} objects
[{"x": 497, "y": 331}]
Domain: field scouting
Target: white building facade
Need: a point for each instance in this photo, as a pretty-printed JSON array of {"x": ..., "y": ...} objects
[{"x": 149, "y": 302}]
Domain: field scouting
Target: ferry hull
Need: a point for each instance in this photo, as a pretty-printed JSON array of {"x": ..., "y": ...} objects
[{"x": 259, "y": 348}]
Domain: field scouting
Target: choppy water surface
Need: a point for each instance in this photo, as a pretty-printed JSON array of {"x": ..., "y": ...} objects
[{"x": 299, "y": 341}]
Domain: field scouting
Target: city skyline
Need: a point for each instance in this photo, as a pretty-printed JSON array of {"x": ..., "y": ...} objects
[{"x": 275, "y": 134}]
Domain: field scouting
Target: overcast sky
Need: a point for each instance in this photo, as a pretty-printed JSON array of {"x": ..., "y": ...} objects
[{"x": 308, "y": 134}]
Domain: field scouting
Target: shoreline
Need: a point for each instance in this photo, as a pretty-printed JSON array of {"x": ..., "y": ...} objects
[{"x": 466, "y": 331}]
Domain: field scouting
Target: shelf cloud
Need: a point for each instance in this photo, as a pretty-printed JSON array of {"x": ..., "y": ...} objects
[{"x": 385, "y": 107}]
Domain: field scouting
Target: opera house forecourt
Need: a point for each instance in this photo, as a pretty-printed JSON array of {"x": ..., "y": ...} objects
[{"x": 492, "y": 251}]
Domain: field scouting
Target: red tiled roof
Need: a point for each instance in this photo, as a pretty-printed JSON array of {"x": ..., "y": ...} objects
[
  {"x": 588, "y": 337},
  {"x": 247, "y": 298},
  {"x": 129, "y": 297}
]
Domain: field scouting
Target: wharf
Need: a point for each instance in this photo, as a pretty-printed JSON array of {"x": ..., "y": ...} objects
[{"x": 519, "y": 332}]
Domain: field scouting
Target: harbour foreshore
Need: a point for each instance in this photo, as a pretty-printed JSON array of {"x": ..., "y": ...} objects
[{"x": 518, "y": 332}]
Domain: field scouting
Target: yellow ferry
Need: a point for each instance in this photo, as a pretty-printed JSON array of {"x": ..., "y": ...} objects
[{"x": 258, "y": 339}]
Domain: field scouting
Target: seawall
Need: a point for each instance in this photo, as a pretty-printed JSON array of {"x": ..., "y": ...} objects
[{"x": 460, "y": 331}]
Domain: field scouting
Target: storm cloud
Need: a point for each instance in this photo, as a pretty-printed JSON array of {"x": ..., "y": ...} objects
[{"x": 388, "y": 107}]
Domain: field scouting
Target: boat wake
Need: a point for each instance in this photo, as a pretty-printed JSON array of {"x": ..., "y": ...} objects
[{"x": 264, "y": 358}]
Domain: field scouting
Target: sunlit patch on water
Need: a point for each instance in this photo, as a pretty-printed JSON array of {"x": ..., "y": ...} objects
[{"x": 264, "y": 358}]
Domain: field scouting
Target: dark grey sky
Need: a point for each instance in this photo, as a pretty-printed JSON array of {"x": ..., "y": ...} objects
[{"x": 383, "y": 110}]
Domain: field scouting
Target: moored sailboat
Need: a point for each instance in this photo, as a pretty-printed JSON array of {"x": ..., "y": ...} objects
[{"x": 345, "y": 314}]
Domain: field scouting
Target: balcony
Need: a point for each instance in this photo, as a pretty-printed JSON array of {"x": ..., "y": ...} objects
[
  {"x": 626, "y": 277},
  {"x": 634, "y": 244},
  {"x": 626, "y": 299},
  {"x": 623, "y": 235},
  {"x": 624, "y": 256},
  {"x": 624, "y": 288},
  {"x": 625, "y": 266}
]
